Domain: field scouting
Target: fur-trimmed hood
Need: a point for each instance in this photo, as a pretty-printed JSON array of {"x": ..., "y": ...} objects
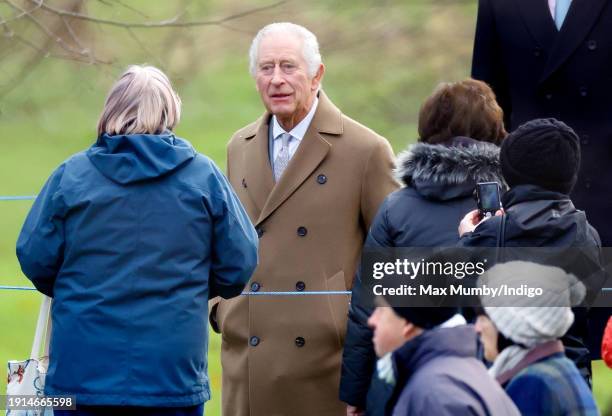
[{"x": 440, "y": 171}]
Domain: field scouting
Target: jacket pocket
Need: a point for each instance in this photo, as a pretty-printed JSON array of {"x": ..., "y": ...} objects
[{"x": 338, "y": 305}]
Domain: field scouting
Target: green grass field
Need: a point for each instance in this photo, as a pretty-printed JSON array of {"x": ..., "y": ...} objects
[{"x": 381, "y": 63}]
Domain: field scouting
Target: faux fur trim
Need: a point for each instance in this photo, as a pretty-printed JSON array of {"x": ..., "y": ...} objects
[{"x": 449, "y": 165}]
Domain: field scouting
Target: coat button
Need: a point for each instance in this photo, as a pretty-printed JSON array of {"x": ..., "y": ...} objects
[
  {"x": 537, "y": 52},
  {"x": 584, "y": 91},
  {"x": 587, "y": 184},
  {"x": 300, "y": 342},
  {"x": 592, "y": 45},
  {"x": 300, "y": 286},
  {"x": 321, "y": 179},
  {"x": 548, "y": 96},
  {"x": 260, "y": 232},
  {"x": 254, "y": 341},
  {"x": 302, "y": 231},
  {"x": 244, "y": 183},
  {"x": 255, "y": 287}
]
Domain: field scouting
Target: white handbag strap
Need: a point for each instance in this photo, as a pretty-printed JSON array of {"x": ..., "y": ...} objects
[{"x": 41, "y": 329}]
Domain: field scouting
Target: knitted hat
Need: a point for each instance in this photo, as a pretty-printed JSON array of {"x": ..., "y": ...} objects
[
  {"x": 543, "y": 152},
  {"x": 425, "y": 318},
  {"x": 532, "y": 320}
]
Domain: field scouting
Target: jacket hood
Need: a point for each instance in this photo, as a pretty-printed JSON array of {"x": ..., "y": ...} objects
[
  {"x": 448, "y": 171},
  {"x": 136, "y": 157},
  {"x": 549, "y": 215},
  {"x": 459, "y": 341}
]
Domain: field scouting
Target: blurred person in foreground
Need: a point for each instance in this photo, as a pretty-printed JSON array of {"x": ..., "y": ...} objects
[
  {"x": 311, "y": 180},
  {"x": 540, "y": 161},
  {"x": 430, "y": 363},
  {"x": 460, "y": 128},
  {"x": 521, "y": 337},
  {"x": 131, "y": 238}
]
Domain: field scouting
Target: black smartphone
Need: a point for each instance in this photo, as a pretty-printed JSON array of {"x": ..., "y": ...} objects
[{"x": 488, "y": 198}]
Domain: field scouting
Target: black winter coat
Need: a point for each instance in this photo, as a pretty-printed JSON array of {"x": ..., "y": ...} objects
[
  {"x": 537, "y": 71},
  {"x": 536, "y": 217},
  {"x": 439, "y": 182}
]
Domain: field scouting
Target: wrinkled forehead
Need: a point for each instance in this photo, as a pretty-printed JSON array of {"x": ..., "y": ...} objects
[{"x": 276, "y": 46}]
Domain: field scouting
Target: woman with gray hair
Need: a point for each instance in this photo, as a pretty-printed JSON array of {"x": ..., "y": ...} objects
[
  {"x": 131, "y": 238},
  {"x": 521, "y": 337}
]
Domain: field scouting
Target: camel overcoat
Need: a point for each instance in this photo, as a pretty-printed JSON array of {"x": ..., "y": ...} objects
[{"x": 281, "y": 355}]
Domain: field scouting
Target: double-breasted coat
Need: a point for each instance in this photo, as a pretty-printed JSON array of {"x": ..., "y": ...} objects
[
  {"x": 538, "y": 71},
  {"x": 281, "y": 355}
]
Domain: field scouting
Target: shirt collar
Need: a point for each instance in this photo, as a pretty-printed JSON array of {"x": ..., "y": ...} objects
[{"x": 299, "y": 130}]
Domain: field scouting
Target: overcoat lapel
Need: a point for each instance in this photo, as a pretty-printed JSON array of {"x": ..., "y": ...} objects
[
  {"x": 539, "y": 22},
  {"x": 258, "y": 180},
  {"x": 310, "y": 153},
  {"x": 580, "y": 18}
]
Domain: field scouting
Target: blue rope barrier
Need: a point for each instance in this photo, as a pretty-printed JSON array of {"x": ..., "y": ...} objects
[
  {"x": 295, "y": 293},
  {"x": 286, "y": 293},
  {"x": 18, "y": 198},
  {"x": 16, "y": 288}
]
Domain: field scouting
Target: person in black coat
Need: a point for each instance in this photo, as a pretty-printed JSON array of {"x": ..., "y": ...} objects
[
  {"x": 542, "y": 64},
  {"x": 460, "y": 127},
  {"x": 539, "y": 212},
  {"x": 539, "y": 71}
]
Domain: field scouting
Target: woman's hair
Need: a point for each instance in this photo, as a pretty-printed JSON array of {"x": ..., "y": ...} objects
[
  {"x": 142, "y": 101},
  {"x": 465, "y": 108}
]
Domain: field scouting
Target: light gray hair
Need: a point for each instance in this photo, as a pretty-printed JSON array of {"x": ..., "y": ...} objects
[
  {"x": 142, "y": 101},
  {"x": 310, "y": 45}
]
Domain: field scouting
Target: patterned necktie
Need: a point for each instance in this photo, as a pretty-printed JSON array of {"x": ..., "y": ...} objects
[
  {"x": 282, "y": 159},
  {"x": 561, "y": 8}
]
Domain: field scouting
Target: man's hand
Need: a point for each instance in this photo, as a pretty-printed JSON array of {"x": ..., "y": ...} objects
[
  {"x": 354, "y": 411},
  {"x": 472, "y": 219}
]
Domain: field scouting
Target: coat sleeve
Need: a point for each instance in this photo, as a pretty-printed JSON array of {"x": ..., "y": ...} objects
[
  {"x": 487, "y": 59},
  {"x": 377, "y": 181},
  {"x": 40, "y": 246},
  {"x": 359, "y": 358},
  {"x": 234, "y": 251},
  {"x": 485, "y": 235}
]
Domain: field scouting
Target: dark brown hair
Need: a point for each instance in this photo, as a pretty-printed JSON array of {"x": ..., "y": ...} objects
[{"x": 465, "y": 108}]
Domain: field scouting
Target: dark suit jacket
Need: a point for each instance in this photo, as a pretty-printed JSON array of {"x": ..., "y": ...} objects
[{"x": 537, "y": 71}]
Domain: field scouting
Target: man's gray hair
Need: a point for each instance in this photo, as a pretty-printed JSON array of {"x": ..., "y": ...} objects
[{"x": 310, "y": 45}]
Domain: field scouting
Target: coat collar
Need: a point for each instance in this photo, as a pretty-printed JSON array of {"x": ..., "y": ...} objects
[
  {"x": 537, "y": 353},
  {"x": 540, "y": 24},
  {"x": 580, "y": 18},
  {"x": 450, "y": 170},
  {"x": 267, "y": 195}
]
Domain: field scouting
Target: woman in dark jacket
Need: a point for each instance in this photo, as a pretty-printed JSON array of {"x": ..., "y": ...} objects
[
  {"x": 540, "y": 213},
  {"x": 131, "y": 238},
  {"x": 460, "y": 128}
]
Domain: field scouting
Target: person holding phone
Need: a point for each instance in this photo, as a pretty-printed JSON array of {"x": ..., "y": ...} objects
[
  {"x": 460, "y": 128},
  {"x": 538, "y": 209}
]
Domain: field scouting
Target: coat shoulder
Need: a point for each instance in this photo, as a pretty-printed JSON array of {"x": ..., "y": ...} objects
[{"x": 245, "y": 132}]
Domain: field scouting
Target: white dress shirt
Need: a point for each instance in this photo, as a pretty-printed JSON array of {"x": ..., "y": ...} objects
[{"x": 297, "y": 132}]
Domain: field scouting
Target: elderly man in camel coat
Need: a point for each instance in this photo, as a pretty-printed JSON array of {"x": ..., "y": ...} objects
[{"x": 311, "y": 180}]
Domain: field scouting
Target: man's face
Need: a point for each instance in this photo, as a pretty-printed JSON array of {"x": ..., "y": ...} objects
[
  {"x": 282, "y": 78},
  {"x": 389, "y": 330},
  {"x": 488, "y": 336}
]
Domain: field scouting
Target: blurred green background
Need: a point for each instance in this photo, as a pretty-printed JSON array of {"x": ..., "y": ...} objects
[{"x": 383, "y": 58}]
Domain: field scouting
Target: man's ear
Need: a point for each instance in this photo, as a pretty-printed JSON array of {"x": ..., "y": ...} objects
[
  {"x": 407, "y": 330},
  {"x": 316, "y": 80}
]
